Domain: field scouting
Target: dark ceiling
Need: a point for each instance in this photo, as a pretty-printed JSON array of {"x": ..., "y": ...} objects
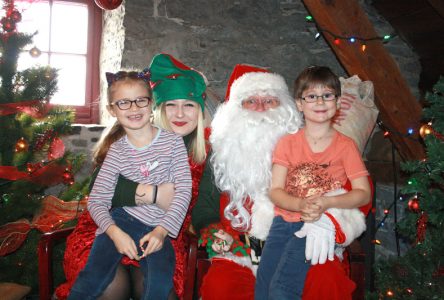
[{"x": 420, "y": 23}]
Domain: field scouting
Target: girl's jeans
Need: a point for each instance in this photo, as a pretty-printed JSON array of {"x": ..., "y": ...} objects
[
  {"x": 157, "y": 268},
  {"x": 282, "y": 269}
]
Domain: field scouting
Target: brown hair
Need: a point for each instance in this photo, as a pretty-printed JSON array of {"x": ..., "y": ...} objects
[
  {"x": 316, "y": 75},
  {"x": 116, "y": 131}
]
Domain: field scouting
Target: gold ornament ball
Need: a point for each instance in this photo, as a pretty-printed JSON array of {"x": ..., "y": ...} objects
[
  {"x": 425, "y": 129},
  {"x": 35, "y": 52},
  {"x": 21, "y": 145}
]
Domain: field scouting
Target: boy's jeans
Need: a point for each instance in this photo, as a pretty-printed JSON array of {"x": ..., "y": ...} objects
[
  {"x": 100, "y": 269},
  {"x": 282, "y": 269}
]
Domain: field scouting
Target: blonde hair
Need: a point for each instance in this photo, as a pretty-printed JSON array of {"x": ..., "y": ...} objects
[
  {"x": 116, "y": 131},
  {"x": 198, "y": 143}
]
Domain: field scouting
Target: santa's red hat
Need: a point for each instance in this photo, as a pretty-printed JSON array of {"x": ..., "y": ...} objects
[{"x": 248, "y": 80}]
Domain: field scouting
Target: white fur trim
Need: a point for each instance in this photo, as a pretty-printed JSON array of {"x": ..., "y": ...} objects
[
  {"x": 257, "y": 83},
  {"x": 261, "y": 217},
  {"x": 352, "y": 222},
  {"x": 244, "y": 261}
]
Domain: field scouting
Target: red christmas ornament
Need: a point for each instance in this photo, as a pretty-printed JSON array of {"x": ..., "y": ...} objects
[
  {"x": 108, "y": 4},
  {"x": 16, "y": 16},
  {"x": 414, "y": 204},
  {"x": 7, "y": 24},
  {"x": 67, "y": 177}
]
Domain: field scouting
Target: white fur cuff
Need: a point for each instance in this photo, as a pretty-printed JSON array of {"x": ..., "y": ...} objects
[{"x": 352, "y": 222}]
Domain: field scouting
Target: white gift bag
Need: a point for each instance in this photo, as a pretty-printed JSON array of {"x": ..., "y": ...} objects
[{"x": 357, "y": 115}]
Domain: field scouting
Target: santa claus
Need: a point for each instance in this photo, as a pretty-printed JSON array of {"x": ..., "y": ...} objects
[{"x": 258, "y": 111}]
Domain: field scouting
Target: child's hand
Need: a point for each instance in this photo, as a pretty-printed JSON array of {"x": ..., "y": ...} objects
[
  {"x": 318, "y": 201},
  {"x": 124, "y": 243},
  {"x": 312, "y": 209},
  {"x": 154, "y": 241}
]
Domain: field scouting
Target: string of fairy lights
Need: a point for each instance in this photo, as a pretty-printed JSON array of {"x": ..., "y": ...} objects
[
  {"x": 352, "y": 39},
  {"x": 410, "y": 133},
  {"x": 413, "y": 201}
]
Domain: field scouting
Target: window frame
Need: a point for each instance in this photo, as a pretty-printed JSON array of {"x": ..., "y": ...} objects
[{"x": 89, "y": 112}]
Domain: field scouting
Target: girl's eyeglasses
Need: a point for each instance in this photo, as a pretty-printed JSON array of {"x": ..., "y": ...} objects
[{"x": 125, "y": 104}]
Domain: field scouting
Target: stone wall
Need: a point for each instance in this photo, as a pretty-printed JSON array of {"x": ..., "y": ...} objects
[{"x": 213, "y": 36}]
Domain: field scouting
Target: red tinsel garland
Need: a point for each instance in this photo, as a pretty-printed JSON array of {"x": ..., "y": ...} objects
[
  {"x": 54, "y": 213},
  {"x": 34, "y": 108},
  {"x": 421, "y": 227},
  {"x": 48, "y": 175}
]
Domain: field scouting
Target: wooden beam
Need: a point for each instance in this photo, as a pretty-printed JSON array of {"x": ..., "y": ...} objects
[
  {"x": 438, "y": 5},
  {"x": 399, "y": 110}
]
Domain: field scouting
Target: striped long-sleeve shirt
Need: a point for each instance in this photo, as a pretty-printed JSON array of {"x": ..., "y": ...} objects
[{"x": 164, "y": 160}]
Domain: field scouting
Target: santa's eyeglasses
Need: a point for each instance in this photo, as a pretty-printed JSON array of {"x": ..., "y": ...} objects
[{"x": 253, "y": 102}]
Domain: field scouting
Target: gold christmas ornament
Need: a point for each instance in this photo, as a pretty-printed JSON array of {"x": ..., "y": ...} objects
[
  {"x": 425, "y": 129},
  {"x": 35, "y": 52},
  {"x": 21, "y": 145}
]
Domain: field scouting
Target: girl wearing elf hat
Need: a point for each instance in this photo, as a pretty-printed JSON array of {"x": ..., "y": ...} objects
[{"x": 179, "y": 98}]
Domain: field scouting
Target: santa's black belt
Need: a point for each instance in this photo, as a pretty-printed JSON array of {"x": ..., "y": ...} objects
[{"x": 255, "y": 244}]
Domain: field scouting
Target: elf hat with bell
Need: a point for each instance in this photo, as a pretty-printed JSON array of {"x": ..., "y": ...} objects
[
  {"x": 173, "y": 80},
  {"x": 248, "y": 80}
]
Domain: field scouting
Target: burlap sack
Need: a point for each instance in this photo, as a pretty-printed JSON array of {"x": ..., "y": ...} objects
[{"x": 357, "y": 115}]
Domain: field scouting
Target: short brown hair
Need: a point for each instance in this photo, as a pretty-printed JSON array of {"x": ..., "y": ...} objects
[{"x": 316, "y": 75}]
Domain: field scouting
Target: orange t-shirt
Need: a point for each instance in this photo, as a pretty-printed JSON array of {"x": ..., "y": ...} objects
[{"x": 312, "y": 173}]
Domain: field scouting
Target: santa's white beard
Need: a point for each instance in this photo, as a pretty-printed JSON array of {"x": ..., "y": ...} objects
[{"x": 243, "y": 143}]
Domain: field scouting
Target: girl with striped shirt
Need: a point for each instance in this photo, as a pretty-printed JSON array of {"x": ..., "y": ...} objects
[{"x": 146, "y": 154}]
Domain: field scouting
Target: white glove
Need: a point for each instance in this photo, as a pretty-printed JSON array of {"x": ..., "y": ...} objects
[
  {"x": 320, "y": 243},
  {"x": 223, "y": 242}
]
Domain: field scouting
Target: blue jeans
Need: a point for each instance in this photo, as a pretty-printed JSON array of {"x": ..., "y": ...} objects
[
  {"x": 282, "y": 269},
  {"x": 157, "y": 268}
]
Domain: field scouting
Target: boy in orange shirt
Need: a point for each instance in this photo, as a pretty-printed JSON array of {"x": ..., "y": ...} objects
[{"x": 306, "y": 165}]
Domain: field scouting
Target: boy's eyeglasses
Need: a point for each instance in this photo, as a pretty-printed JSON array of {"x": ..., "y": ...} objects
[
  {"x": 313, "y": 98},
  {"x": 125, "y": 104}
]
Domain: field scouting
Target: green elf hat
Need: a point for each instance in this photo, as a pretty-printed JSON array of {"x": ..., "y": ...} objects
[{"x": 172, "y": 80}]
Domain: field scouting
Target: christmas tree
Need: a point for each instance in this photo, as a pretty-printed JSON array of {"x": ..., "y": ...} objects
[
  {"x": 32, "y": 156},
  {"x": 419, "y": 273}
]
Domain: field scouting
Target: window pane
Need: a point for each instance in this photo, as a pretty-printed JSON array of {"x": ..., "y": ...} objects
[
  {"x": 26, "y": 61},
  {"x": 69, "y": 28},
  {"x": 72, "y": 78},
  {"x": 35, "y": 17}
]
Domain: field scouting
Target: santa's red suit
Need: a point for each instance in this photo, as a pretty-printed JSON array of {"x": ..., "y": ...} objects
[
  {"x": 232, "y": 276},
  {"x": 242, "y": 144}
]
